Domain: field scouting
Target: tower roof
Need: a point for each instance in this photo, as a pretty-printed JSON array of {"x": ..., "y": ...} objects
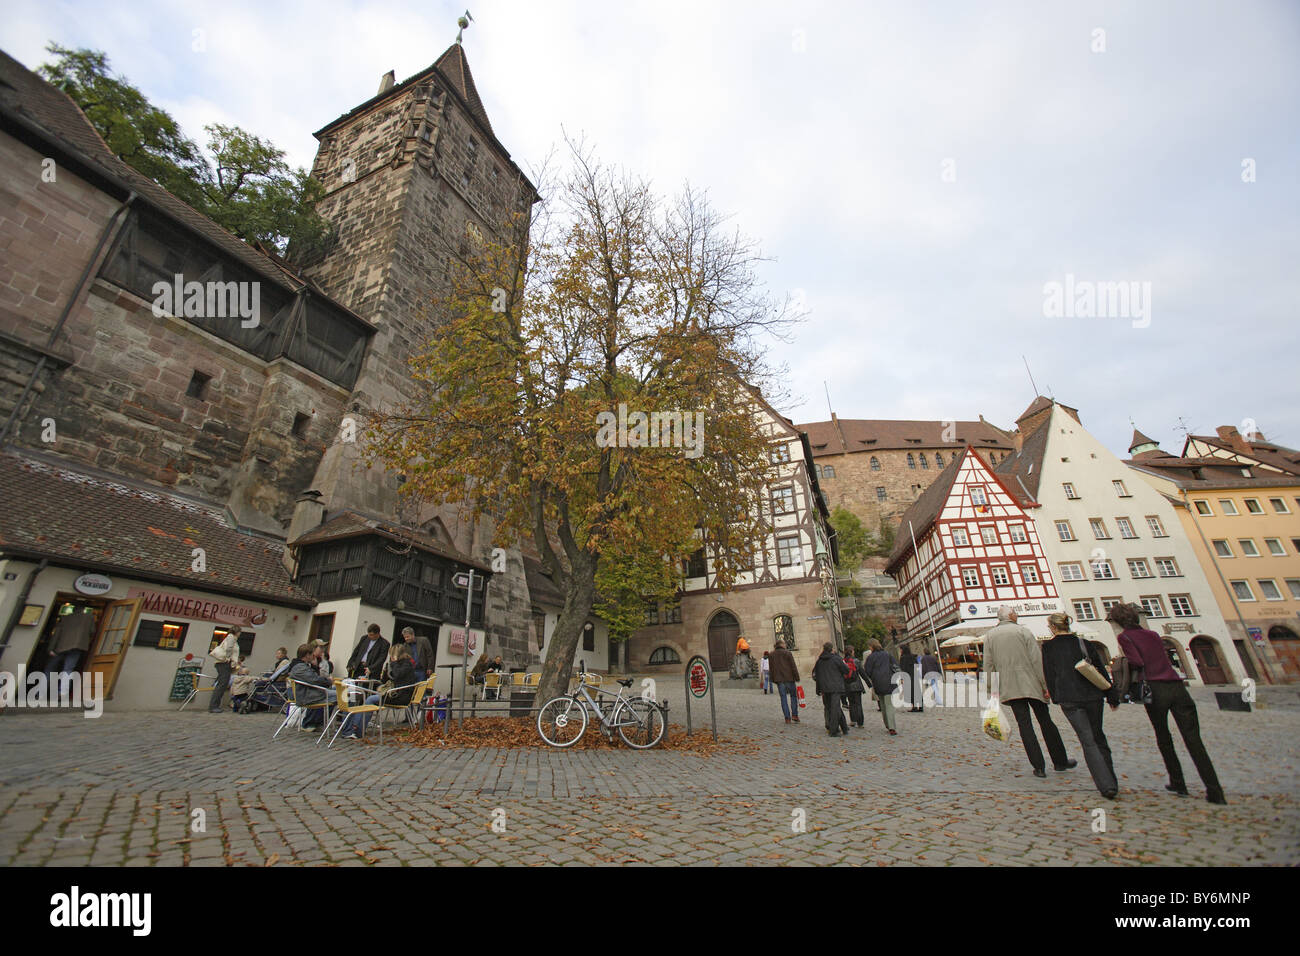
[
  {"x": 1140, "y": 439},
  {"x": 453, "y": 65}
]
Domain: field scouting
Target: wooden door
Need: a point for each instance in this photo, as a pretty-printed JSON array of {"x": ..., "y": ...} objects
[
  {"x": 724, "y": 631},
  {"x": 1207, "y": 661},
  {"x": 111, "y": 643},
  {"x": 1286, "y": 644}
]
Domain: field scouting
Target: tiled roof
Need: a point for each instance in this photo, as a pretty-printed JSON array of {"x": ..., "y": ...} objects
[
  {"x": 1022, "y": 470},
  {"x": 924, "y": 510},
  {"x": 26, "y": 95},
  {"x": 870, "y": 434},
  {"x": 105, "y": 524},
  {"x": 1140, "y": 439},
  {"x": 453, "y": 65},
  {"x": 1266, "y": 453},
  {"x": 1037, "y": 405},
  {"x": 350, "y": 524},
  {"x": 1211, "y": 473}
]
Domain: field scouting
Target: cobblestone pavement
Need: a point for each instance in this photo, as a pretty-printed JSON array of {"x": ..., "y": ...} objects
[{"x": 123, "y": 790}]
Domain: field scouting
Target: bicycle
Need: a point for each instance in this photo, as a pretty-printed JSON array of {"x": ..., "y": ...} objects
[{"x": 640, "y": 723}]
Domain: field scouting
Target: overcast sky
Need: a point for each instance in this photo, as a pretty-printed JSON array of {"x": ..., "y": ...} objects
[{"x": 918, "y": 172}]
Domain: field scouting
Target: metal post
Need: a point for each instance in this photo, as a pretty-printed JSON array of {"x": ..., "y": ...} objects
[{"x": 469, "y": 606}]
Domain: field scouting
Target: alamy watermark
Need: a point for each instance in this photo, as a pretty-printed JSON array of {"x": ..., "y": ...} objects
[
  {"x": 209, "y": 300},
  {"x": 671, "y": 429},
  {"x": 1084, "y": 299},
  {"x": 41, "y": 690}
]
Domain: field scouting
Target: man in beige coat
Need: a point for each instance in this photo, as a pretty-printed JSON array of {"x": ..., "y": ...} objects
[{"x": 1011, "y": 653}]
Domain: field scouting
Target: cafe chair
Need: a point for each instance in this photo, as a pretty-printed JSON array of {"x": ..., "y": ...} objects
[
  {"x": 289, "y": 689},
  {"x": 344, "y": 708},
  {"x": 196, "y": 688}
]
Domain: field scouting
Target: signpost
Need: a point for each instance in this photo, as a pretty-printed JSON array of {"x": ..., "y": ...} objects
[
  {"x": 699, "y": 681},
  {"x": 463, "y": 580}
]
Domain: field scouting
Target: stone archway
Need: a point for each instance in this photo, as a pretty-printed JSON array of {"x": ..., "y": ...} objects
[
  {"x": 1209, "y": 660},
  {"x": 724, "y": 630},
  {"x": 1286, "y": 644},
  {"x": 1177, "y": 659}
]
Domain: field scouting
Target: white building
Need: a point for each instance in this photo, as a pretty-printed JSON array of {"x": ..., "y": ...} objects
[{"x": 1112, "y": 538}]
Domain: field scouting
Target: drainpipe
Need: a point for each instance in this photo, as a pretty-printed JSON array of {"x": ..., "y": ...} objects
[
  {"x": 21, "y": 603},
  {"x": 110, "y": 229}
]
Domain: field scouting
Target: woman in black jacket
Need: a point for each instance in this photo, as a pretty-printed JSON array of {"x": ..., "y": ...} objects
[
  {"x": 401, "y": 671},
  {"x": 1080, "y": 699},
  {"x": 854, "y": 688}
]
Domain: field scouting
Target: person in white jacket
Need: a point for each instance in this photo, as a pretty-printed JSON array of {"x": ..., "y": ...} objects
[{"x": 225, "y": 655}]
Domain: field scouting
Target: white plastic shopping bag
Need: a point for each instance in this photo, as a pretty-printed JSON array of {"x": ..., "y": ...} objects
[{"x": 996, "y": 721}]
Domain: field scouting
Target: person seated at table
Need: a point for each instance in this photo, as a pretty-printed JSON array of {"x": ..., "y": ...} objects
[
  {"x": 401, "y": 671},
  {"x": 304, "y": 673},
  {"x": 241, "y": 684},
  {"x": 481, "y": 667}
]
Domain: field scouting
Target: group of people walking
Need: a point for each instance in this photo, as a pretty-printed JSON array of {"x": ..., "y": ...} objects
[{"x": 1077, "y": 676}]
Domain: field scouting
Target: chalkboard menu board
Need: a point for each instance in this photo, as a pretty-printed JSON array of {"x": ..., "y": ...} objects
[{"x": 183, "y": 683}]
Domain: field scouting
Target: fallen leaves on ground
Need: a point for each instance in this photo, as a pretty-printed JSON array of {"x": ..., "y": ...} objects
[{"x": 514, "y": 734}]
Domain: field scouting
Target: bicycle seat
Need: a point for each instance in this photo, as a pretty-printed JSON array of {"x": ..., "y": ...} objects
[{"x": 626, "y": 683}]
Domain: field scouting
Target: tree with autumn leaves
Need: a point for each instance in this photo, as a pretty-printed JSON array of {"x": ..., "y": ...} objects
[{"x": 601, "y": 299}]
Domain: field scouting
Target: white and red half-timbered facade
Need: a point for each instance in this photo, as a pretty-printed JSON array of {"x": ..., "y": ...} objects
[{"x": 976, "y": 549}]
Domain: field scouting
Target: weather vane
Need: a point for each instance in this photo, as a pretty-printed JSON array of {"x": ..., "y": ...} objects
[{"x": 463, "y": 22}]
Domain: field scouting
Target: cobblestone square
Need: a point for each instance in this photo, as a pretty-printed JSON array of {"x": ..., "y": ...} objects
[{"x": 123, "y": 790}]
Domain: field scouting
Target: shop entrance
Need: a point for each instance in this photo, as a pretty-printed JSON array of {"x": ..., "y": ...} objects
[
  {"x": 423, "y": 627},
  {"x": 724, "y": 630},
  {"x": 110, "y": 627}
]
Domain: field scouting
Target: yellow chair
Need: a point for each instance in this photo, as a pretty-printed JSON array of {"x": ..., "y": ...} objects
[
  {"x": 518, "y": 679},
  {"x": 195, "y": 689},
  {"x": 534, "y": 680},
  {"x": 289, "y": 687},
  {"x": 345, "y": 708},
  {"x": 412, "y": 709},
  {"x": 492, "y": 682}
]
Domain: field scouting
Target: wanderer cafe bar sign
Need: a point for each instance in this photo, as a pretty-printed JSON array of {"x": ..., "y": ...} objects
[{"x": 198, "y": 609}]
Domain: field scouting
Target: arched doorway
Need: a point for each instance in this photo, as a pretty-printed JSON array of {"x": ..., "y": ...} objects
[
  {"x": 724, "y": 630},
  {"x": 1206, "y": 653},
  {"x": 1286, "y": 644},
  {"x": 1176, "y": 659}
]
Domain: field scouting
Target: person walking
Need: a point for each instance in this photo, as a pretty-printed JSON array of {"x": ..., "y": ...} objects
[
  {"x": 785, "y": 674},
  {"x": 421, "y": 652},
  {"x": 829, "y": 674},
  {"x": 225, "y": 655},
  {"x": 907, "y": 664},
  {"x": 854, "y": 688},
  {"x": 1013, "y": 658},
  {"x": 878, "y": 670},
  {"x": 932, "y": 676},
  {"x": 1145, "y": 650},
  {"x": 764, "y": 673},
  {"x": 1080, "y": 699}
]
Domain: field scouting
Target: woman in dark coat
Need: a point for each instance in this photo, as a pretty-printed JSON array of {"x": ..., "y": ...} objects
[
  {"x": 1081, "y": 701},
  {"x": 854, "y": 688},
  {"x": 907, "y": 664}
]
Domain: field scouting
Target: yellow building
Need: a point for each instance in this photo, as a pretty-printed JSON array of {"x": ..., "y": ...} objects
[{"x": 1239, "y": 502}]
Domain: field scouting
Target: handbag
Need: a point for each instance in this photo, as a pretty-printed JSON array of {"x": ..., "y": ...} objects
[
  {"x": 1090, "y": 672},
  {"x": 1139, "y": 691}
]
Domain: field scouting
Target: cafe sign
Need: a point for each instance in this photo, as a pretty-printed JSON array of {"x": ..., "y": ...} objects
[
  {"x": 456, "y": 640},
  {"x": 93, "y": 584},
  {"x": 198, "y": 609}
]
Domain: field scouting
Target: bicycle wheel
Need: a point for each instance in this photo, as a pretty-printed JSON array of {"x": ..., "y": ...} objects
[
  {"x": 562, "y": 721},
  {"x": 640, "y": 723}
]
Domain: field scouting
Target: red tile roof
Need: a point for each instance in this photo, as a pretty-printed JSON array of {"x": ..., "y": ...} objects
[
  {"x": 102, "y": 523},
  {"x": 872, "y": 434}
]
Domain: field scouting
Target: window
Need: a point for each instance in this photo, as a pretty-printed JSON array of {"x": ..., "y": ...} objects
[
  {"x": 300, "y": 423},
  {"x": 788, "y": 551},
  {"x": 1268, "y": 588},
  {"x": 1072, "y": 571},
  {"x": 938, "y": 459},
  {"x": 1203, "y": 507},
  {"x": 881, "y": 494},
  {"x": 1085, "y": 611},
  {"x": 1000, "y": 575},
  {"x": 779, "y": 454},
  {"x": 989, "y": 534},
  {"x": 198, "y": 385},
  {"x": 782, "y": 500},
  {"x": 977, "y": 495},
  {"x": 911, "y": 461},
  {"x": 1125, "y": 528},
  {"x": 959, "y": 536},
  {"x": 1157, "y": 529},
  {"x": 1029, "y": 574},
  {"x": 1248, "y": 547},
  {"x": 1222, "y": 548},
  {"x": 245, "y": 640},
  {"x": 875, "y": 463},
  {"x": 1167, "y": 568},
  {"x": 1109, "y": 602},
  {"x": 664, "y": 655},
  {"x": 924, "y": 464},
  {"x": 1279, "y": 506},
  {"x": 1274, "y": 546},
  {"x": 1152, "y": 606},
  {"x": 1018, "y": 533},
  {"x": 695, "y": 566},
  {"x": 1181, "y": 604},
  {"x": 164, "y": 635},
  {"x": 1064, "y": 530},
  {"x": 652, "y": 614},
  {"x": 588, "y": 636},
  {"x": 1098, "y": 529},
  {"x": 1227, "y": 506},
  {"x": 1242, "y": 590},
  {"x": 828, "y": 471},
  {"x": 1069, "y": 490},
  {"x": 1294, "y": 585},
  {"x": 1252, "y": 505},
  {"x": 1120, "y": 489},
  {"x": 1102, "y": 570},
  {"x": 970, "y": 577},
  {"x": 1137, "y": 567},
  {"x": 673, "y": 614}
]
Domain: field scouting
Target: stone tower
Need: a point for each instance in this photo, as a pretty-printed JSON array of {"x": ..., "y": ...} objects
[{"x": 409, "y": 174}]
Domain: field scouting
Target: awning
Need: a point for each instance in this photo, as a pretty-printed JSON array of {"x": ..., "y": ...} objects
[{"x": 962, "y": 641}]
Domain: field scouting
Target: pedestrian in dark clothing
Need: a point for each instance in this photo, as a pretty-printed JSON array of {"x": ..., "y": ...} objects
[
  {"x": 931, "y": 675},
  {"x": 829, "y": 673},
  {"x": 1013, "y": 657},
  {"x": 907, "y": 664},
  {"x": 369, "y": 656},
  {"x": 1080, "y": 700},
  {"x": 854, "y": 688},
  {"x": 1145, "y": 650},
  {"x": 785, "y": 675},
  {"x": 878, "y": 670}
]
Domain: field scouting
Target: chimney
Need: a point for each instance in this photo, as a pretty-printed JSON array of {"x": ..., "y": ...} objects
[
  {"x": 386, "y": 84},
  {"x": 308, "y": 513},
  {"x": 1018, "y": 440},
  {"x": 1232, "y": 437}
]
